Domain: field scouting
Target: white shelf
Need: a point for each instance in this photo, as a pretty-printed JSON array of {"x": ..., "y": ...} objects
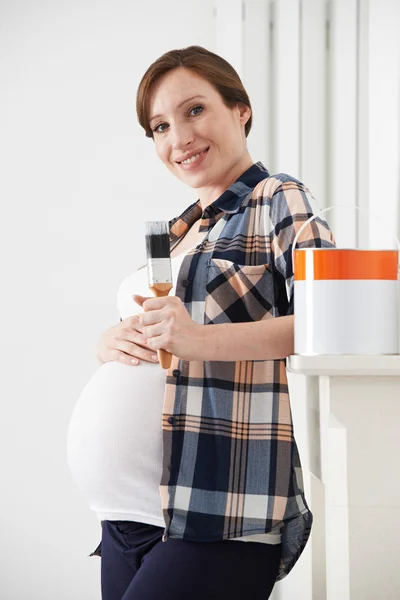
[{"x": 345, "y": 365}]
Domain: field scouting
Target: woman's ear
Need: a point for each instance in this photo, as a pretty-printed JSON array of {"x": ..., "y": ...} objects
[{"x": 244, "y": 113}]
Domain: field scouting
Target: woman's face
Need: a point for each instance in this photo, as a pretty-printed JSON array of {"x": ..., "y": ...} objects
[{"x": 189, "y": 120}]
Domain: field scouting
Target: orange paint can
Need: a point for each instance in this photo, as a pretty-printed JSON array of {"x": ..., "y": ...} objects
[{"x": 346, "y": 301}]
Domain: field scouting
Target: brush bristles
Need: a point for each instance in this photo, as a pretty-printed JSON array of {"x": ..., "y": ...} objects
[{"x": 157, "y": 239}]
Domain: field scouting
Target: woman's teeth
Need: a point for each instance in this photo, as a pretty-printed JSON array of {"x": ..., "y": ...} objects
[{"x": 192, "y": 159}]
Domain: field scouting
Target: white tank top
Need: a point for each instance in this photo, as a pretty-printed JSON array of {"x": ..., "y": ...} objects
[{"x": 114, "y": 440}]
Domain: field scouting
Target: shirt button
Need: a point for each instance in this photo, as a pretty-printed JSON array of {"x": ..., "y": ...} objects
[
  {"x": 176, "y": 372},
  {"x": 185, "y": 282},
  {"x": 171, "y": 420}
]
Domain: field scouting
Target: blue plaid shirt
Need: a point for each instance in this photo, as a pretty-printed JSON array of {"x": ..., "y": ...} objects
[{"x": 231, "y": 466}]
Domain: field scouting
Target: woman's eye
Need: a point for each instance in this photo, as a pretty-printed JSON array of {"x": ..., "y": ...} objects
[
  {"x": 201, "y": 108},
  {"x": 195, "y": 111},
  {"x": 158, "y": 130}
]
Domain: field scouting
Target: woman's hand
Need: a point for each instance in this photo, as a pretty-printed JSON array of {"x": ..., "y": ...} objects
[
  {"x": 167, "y": 324},
  {"x": 125, "y": 343}
]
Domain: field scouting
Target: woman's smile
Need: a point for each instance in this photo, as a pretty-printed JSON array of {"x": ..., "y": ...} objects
[{"x": 194, "y": 161}]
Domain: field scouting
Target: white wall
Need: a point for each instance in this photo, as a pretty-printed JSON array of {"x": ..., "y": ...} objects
[{"x": 78, "y": 178}]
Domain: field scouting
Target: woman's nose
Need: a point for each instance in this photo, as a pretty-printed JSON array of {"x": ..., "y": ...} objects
[{"x": 182, "y": 136}]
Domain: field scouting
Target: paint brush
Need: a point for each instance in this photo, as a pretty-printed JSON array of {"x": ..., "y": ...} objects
[{"x": 159, "y": 269}]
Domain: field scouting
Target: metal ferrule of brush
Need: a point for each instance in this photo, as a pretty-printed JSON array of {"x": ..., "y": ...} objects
[
  {"x": 158, "y": 252},
  {"x": 159, "y": 270}
]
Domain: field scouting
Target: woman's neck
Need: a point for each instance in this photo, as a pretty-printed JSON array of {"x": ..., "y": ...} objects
[{"x": 208, "y": 195}]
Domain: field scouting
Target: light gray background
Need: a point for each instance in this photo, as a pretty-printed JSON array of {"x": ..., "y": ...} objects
[{"x": 78, "y": 178}]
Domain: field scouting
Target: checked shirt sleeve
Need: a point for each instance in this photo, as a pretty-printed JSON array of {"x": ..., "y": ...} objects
[{"x": 291, "y": 205}]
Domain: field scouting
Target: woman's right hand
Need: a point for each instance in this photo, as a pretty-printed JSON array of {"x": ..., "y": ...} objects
[{"x": 124, "y": 343}]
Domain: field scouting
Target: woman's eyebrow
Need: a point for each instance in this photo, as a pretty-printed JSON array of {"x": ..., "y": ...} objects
[{"x": 179, "y": 105}]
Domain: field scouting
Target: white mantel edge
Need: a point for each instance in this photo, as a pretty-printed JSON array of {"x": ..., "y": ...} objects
[{"x": 386, "y": 365}]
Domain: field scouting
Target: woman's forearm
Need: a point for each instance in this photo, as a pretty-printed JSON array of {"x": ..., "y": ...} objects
[{"x": 259, "y": 340}]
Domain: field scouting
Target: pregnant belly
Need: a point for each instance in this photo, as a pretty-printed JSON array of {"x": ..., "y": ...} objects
[{"x": 114, "y": 435}]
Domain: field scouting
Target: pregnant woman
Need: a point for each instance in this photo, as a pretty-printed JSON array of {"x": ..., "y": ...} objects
[{"x": 194, "y": 471}]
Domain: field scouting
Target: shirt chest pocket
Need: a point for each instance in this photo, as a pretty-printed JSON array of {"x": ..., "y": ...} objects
[{"x": 237, "y": 293}]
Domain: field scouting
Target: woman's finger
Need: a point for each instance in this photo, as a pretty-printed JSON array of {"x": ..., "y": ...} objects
[
  {"x": 133, "y": 350},
  {"x": 125, "y": 359},
  {"x": 151, "y": 317},
  {"x": 133, "y": 336},
  {"x": 134, "y": 322},
  {"x": 159, "y": 327}
]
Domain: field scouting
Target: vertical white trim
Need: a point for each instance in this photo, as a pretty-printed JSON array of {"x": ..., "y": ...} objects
[
  {"x": 384, "y": 118},
  {"x": 363, "y": 130},
  {"x": 286, "y": 87},
  {"x": 313, "y": 114},
  {"x": 343, "y": 129},
  {"x": 257, "y": 76},
  {"x": 337, "y": 511}
]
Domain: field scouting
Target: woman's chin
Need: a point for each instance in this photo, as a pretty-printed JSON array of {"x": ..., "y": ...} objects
[{"x": 193, "y": 179}]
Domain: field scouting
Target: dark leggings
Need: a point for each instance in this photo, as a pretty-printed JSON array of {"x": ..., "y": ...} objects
[{"x": 137, "y": 565}]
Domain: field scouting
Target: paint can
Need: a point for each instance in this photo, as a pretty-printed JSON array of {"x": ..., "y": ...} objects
[{"x": 346, "y": 301}]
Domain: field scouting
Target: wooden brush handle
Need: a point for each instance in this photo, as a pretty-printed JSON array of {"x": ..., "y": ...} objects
[
  {"x": 165, "y": 358},
  {"x": 159, "y": 290}
]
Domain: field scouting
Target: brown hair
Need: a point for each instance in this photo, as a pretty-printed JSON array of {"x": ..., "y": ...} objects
[{"x": 208, "y": 65}]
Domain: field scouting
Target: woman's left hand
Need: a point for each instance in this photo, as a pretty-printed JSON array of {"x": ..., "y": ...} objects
[{"x": 168, "y": 325}]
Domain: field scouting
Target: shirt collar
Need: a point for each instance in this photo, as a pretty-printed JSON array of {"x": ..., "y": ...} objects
[{"x": 229, "y": 202}]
